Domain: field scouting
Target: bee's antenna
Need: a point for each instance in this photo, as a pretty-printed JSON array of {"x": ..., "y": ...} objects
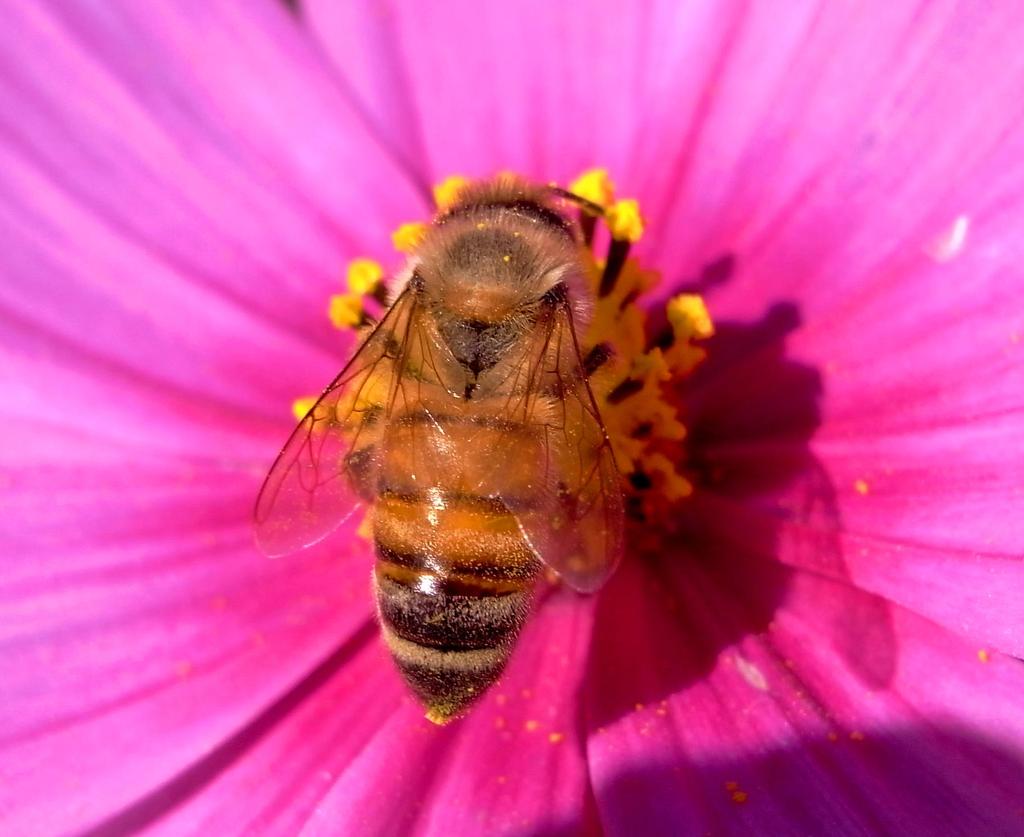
[{"x": 589, "y": 207}]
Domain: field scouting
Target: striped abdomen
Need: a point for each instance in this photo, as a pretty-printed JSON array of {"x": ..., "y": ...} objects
[{"x": 454, "y": 575}]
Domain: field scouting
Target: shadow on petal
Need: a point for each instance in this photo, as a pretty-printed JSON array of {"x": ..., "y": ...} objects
[
  {"x": 763, "y": 504},
  {"x": 920, "y": 780}
]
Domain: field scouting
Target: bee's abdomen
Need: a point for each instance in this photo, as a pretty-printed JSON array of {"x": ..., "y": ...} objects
[{"x": 454, "y": 582}]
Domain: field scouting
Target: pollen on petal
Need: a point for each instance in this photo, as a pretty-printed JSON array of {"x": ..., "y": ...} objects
[
  {"x": 595, "y": 185},
  {"x": 447, "y": 191},
  {"x": 624, "y": 221},
  {"x": 364, "y": 275},
  {"x": 408, "y": 236},
  {"x": 346, "y": 310}
]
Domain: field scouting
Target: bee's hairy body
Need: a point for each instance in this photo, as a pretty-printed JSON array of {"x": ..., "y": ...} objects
[
  {"x": 455, "y": 574},
  {"x": 465, "y": 420}
]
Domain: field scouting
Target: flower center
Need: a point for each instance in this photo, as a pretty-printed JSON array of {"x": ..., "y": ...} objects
[{"x": 634, "y": 368}]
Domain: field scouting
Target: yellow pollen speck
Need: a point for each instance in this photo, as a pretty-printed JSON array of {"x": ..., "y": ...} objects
[
  {"x": 595, "y": 186},
  {"x": 983, "y": 655},
  {"x": 364, "y": 276},
  {"x": 555, "y": 737},
  {"x": 506, "y": 258},
  {"x": 856, "y": 735},
  {"x": 448, "y": 190},
  {"x": 346, "y": 310},
  {"x": 731, "y": 786},
  {"x": 861, "y": 487},
  {"x": 624, "y": 221},
  {"x": 301, "y": 406},
  {"x": 739, "y": 797},
  {"x": 531, "y": 726},
  {"x": 365, "y": 530},
  {"x": 408, "y": 236}
]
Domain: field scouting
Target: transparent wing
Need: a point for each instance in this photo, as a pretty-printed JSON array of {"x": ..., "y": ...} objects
[
  {"x": 575, "y": 524},
  {"x": 328, "y": 468}
]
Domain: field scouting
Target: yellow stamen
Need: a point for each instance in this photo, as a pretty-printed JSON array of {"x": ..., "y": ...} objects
[
  {"x": 364, "y": 275},
  {"x": 672, "y": 484},
  {"x": 408, "y": 236},
  {"x": 689, "y": 317},
  {"x": 301, "y": 406},
  {"x": 346, "y": 310},
  {"x": 447, "y": 191},
  {"x": 624, "y": 221},
  {"x": 595, "y": 186}
]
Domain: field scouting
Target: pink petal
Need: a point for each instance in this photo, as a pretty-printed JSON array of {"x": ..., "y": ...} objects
[
  {"x": 546, "y": 90},
  {"x": 823, "y": 708},
  {"x": 155, "y": 188},
  {"x": 353, "y": 756}
]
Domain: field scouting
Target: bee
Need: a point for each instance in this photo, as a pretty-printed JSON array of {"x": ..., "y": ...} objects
[{"x": 465, "y": 424}]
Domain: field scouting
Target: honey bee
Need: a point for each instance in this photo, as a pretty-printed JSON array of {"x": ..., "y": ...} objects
[{"x": 466, "y": 424}]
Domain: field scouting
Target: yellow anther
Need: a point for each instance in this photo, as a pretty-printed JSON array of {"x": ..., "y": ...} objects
[
  {"x": 364, "y": 276},
  {"x": 446, "y": 192},
  {"x": 983, "y": 655},
  {"x": 624, "y": 221},
  {"x": 506, "y": 258},
  {"x": 689, "y": 317},
  {"x": 346, "y": 310},
  {"x": 408, "y": 236},
  {"x": 301, "y": 406},
  {"x": 595, "y": 186},
  {"x": 672, "y": 484}
]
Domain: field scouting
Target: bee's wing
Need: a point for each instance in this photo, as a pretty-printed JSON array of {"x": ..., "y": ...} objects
[
  {"x": 328, "y": 468},
  {"x": 576, "y": 527}
]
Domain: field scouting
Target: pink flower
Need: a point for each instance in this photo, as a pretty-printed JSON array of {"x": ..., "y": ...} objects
[{"x": 826, "y": 641}]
